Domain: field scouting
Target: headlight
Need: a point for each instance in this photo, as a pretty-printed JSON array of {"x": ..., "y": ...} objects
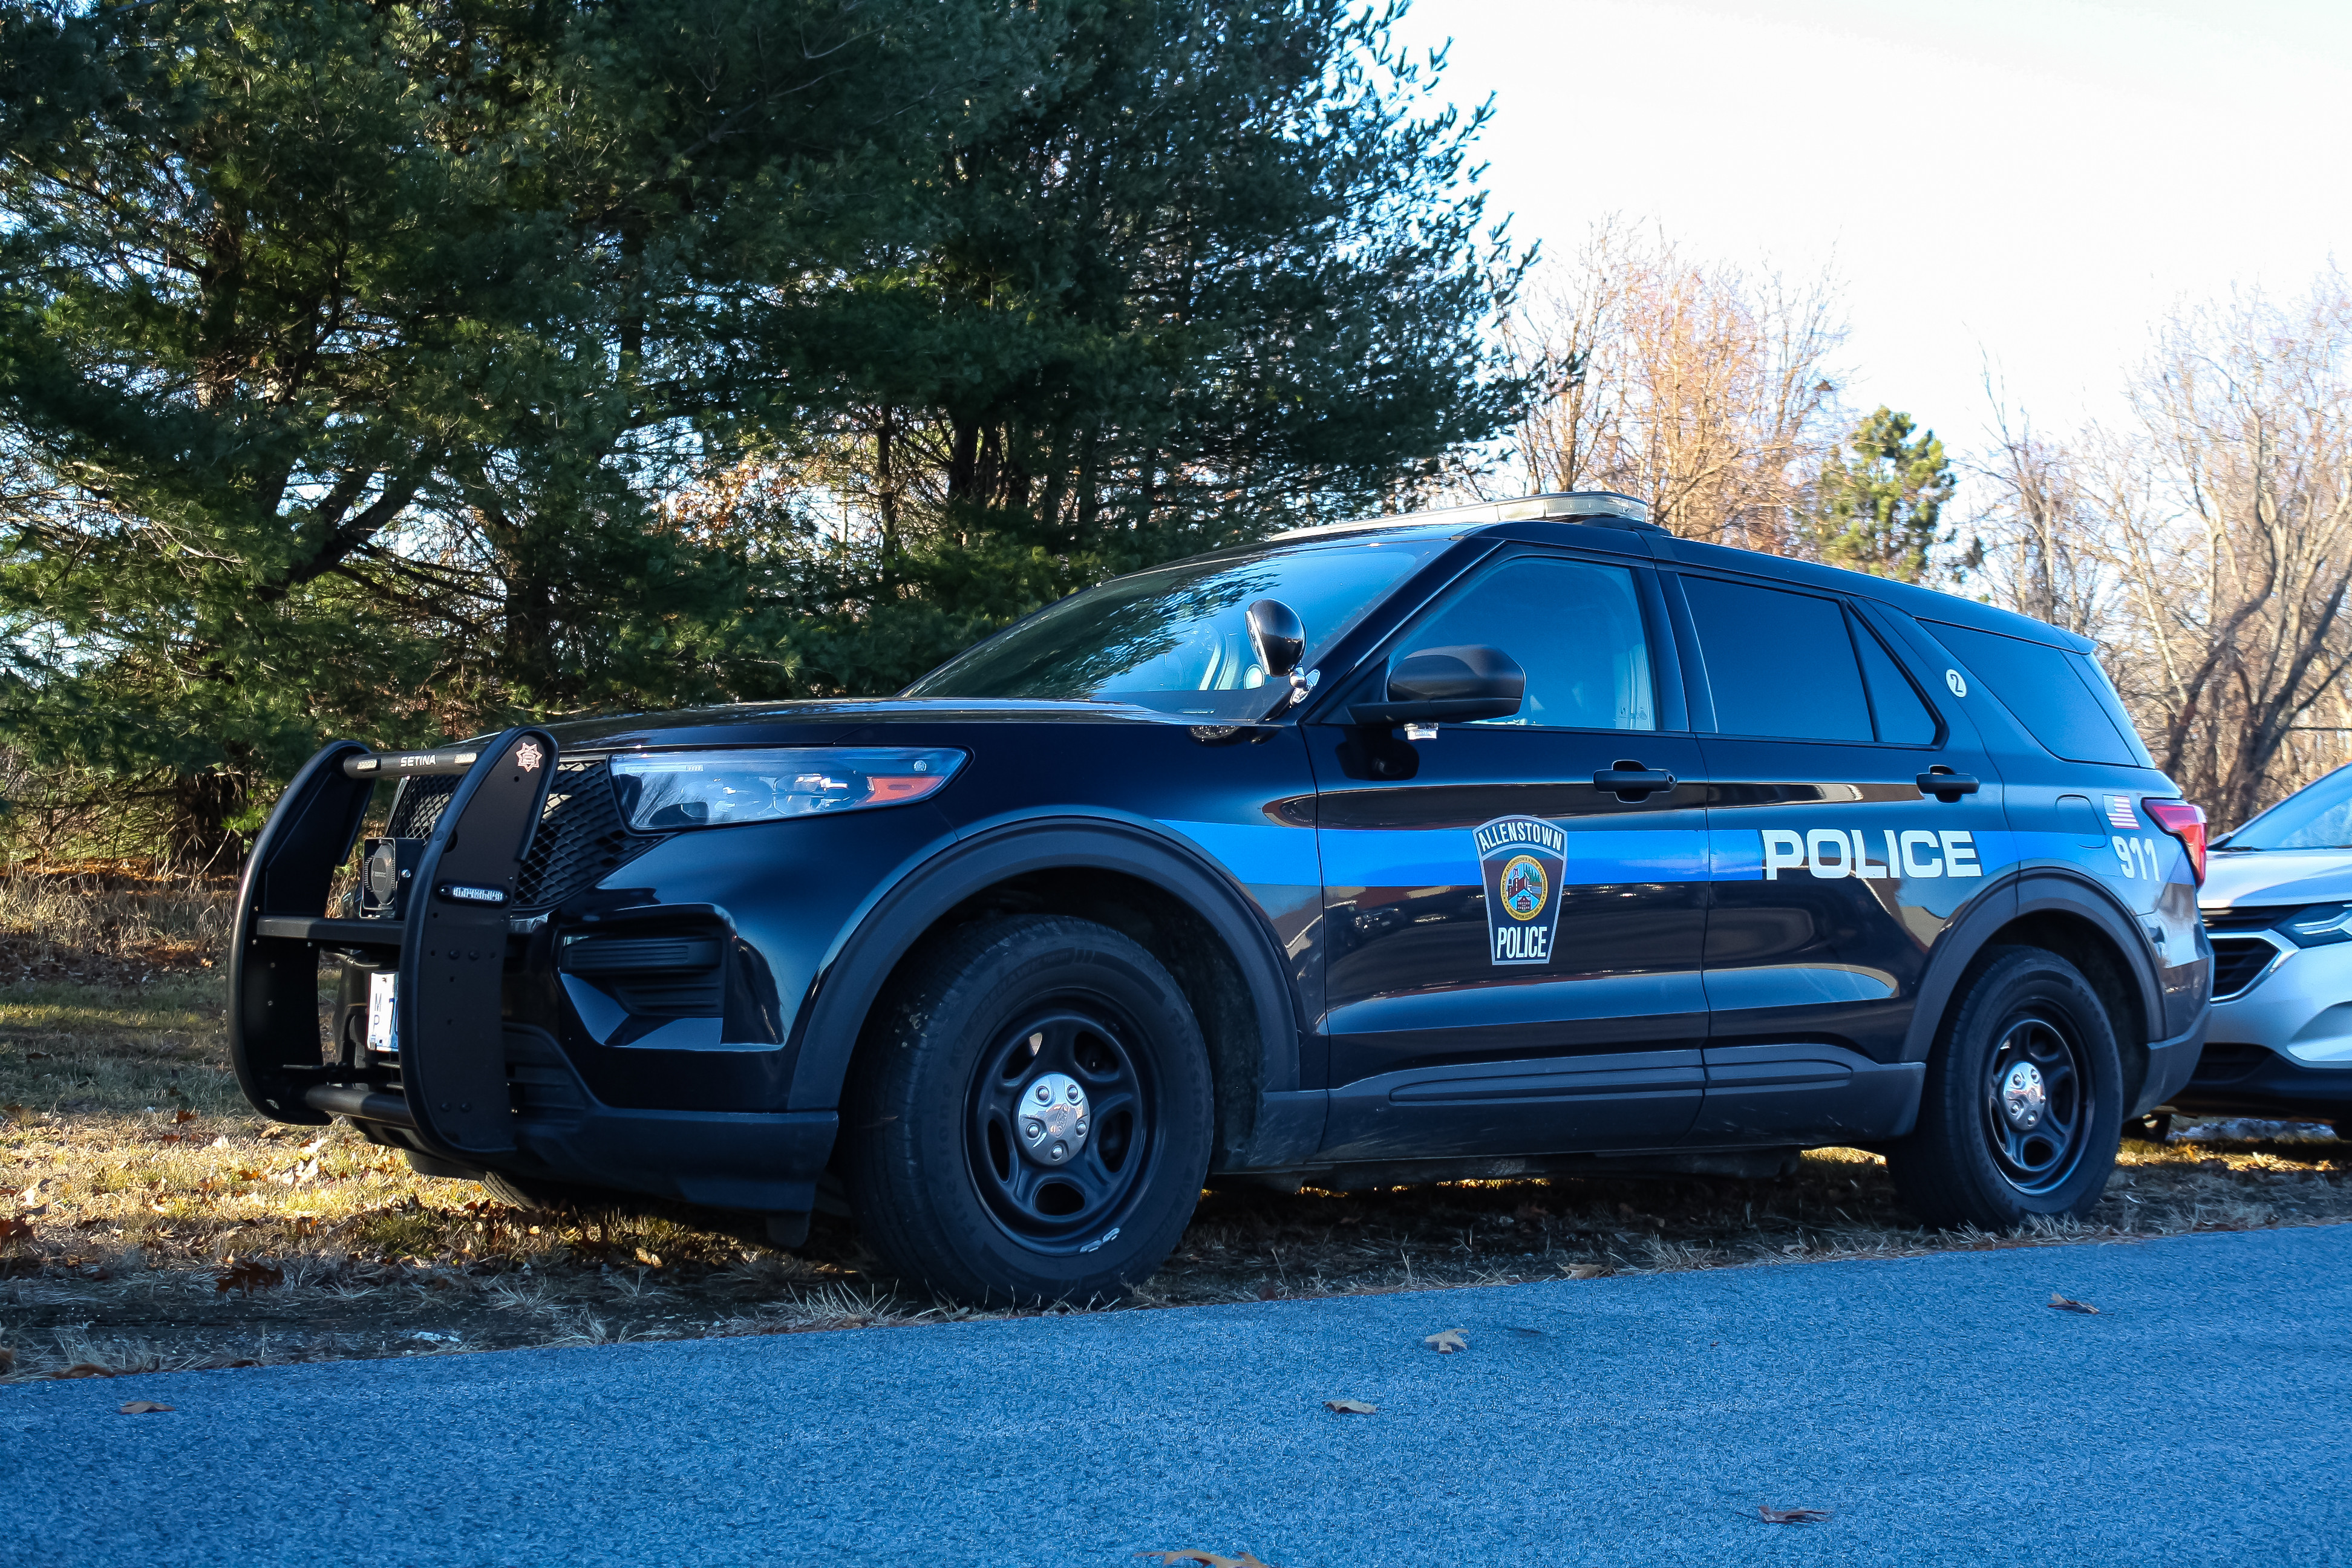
[
  {"x": 662, "y": 791},
  {"x": 2320, "y": 925}
]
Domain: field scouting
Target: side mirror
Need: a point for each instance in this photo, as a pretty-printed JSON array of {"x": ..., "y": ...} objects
[
  {"x": 1437, "y": 684},
  {"x": 1277, "y": 636}
]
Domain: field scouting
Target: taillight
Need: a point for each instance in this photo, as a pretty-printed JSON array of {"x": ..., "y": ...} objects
[{"x": 2186, "y": 823}]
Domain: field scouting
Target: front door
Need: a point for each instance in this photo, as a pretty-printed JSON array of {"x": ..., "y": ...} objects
[
  {"x": 1514, "y": 948},
  {"x": 1834, "y": 870}
]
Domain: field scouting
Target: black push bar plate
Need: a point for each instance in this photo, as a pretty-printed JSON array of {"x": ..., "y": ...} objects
[{"x": 453, "y": 1061}]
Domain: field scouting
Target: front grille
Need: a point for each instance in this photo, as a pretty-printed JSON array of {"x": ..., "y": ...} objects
[
  {"x": 2237, "y": 962},
  {"x": 419, "y": 805},
  {"x": 2227, "y": 1061},
  {"x": 2247, "y": 919},
  {"x": 580, "y": 840}
]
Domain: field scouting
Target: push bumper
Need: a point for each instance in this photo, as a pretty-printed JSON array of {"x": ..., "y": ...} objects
[{"x": 470, "y": 1090}]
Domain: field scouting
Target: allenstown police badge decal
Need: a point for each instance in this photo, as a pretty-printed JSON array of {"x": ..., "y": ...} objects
[{"x": 1522, "y": 860}]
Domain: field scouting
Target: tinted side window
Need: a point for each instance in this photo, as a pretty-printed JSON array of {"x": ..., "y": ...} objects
[
  {"x": 1778, "y": 663},
  {"x": 2041, "y": 684},
  {"x": 1575, "y": 627},
  {"x": 1903, "y": 718}
]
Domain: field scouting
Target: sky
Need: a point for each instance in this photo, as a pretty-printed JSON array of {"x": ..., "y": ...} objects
[{"x": 2032, "y": 184}]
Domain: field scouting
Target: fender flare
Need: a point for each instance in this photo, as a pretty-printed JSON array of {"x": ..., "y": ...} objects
[
  {"x": 833, "y": 1018},
  {"x": 2037, "y": 891}
]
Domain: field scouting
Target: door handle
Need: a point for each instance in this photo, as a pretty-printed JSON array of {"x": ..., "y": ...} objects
[
  {"x": 1630, "y": 781},
  {"x": 1944, "y": 785}
]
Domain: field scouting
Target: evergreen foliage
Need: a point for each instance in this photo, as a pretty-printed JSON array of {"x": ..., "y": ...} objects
[
  {"x": 395, "y": 369},
  {"x": 1878, "y": 501}
]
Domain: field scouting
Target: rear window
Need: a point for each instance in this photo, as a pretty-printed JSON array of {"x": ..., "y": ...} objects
[
  {"x": 2062, "y": 697},
  {"x": 1779, "y": 664}
]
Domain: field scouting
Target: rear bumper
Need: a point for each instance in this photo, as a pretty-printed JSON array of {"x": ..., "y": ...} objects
[{"x": 2171, "y": 1064}]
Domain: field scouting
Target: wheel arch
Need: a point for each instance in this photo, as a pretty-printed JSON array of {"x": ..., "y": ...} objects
[
  {"x": 1139, "y": 881},
  {"x": 2073, "y": 917}
]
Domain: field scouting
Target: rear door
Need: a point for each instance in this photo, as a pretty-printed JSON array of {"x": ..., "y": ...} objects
[
  {"x": 1834, "y": 868},
  {"x": 1514, "y": 948}
]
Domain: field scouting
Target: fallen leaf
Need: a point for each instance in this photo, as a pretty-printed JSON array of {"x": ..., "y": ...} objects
[
  {"x": 37, "y": 1056},
  {"x": 650, "y": 1259},
  {"x": 12, "y": 1109},
  {"x": 1348, "y": 1407},
  {"x": 183, "y": 1115},
  {"x": 2060, "y": 1304},
  {"x": 246, "y": 1277},
  {"x": 7, "y": 1359},
  {"x": 1207, "y": 1559},
  {"x": 143, "y": 1407},
  {"x": 1792, "y": 1515},
  {"x": 15, "y": 1230},
  {"x": 1447, "y": 1344},
  {"x": 1269, "y": 1292},
  {"x": 1587, "y": 1270},
  {"x": 87, "y": 1369}
]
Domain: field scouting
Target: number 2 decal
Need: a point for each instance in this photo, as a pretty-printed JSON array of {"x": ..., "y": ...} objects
[{"x": 2138, "y": 856}]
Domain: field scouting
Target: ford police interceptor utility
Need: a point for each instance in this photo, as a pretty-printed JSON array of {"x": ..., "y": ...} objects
[{"x": 1516, "y": 839}]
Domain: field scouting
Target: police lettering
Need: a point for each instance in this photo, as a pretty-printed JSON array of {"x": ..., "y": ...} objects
[
  {"x": 1522, "y": 944},
  {"x": 1832, "y": 852}
]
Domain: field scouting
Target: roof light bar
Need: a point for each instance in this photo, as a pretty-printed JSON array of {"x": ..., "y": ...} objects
[{"x": 1607, "y": 507}]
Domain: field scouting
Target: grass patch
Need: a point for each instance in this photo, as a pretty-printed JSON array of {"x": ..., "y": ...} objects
[{"x": 150, "y": 1220}]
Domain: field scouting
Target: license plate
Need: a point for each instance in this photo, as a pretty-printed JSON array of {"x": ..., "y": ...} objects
[{"x": 383, "y": 1030}]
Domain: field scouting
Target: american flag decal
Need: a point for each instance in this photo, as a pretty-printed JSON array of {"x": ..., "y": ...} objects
[{"x": 2120, "y": 811}]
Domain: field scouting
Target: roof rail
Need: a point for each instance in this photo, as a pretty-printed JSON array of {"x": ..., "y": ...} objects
[{"x": 1602, "y": 509}]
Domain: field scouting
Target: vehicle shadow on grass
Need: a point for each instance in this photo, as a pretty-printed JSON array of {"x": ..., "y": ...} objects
[{"x": 150, "y": 1221}]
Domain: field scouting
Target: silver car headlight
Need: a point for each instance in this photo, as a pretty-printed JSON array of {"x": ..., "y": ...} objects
[{"x": 661, "y": 791}]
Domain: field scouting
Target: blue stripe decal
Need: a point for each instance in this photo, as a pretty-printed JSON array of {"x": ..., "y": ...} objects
[
  {"x": 1262, "y": 853},
  {"x": 1448, "y": 857}
]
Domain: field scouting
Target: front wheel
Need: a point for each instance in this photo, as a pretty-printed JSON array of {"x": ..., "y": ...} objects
[
  {"x": 2024, "y": 1104},
  {"x": 1031, "y": 1122}
]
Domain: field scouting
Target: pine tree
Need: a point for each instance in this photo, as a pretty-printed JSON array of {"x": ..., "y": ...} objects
[{"x": 1876, "y": 508}]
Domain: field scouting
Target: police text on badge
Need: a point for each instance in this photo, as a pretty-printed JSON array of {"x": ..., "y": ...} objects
[
  {"x": 1521, "y": 860},
  {"x": 1832, "y": 852}
]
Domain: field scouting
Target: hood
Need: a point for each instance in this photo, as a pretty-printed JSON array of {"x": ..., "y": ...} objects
[
  {"x": 830, "y": 722},
  {"x": 2265, "y": 878}
]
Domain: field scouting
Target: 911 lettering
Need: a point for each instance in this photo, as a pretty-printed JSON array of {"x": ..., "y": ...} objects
[{"x": 1832, "y": 852}]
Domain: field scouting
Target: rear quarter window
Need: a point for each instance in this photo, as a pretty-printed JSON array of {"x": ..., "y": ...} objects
[{"x": 2060, "y": 697}]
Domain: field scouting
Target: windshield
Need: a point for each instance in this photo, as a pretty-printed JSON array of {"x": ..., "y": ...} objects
[
  {"x": 1175, "y": 637},
  {"x": 2317, "y": 816}
]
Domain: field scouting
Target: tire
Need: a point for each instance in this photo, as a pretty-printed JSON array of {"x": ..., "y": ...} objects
[
  {"x": 1984, "y": 1153},
  {"x": 959, "y": 1192}
]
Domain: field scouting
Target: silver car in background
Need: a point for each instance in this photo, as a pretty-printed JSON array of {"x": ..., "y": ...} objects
[{"x": 2277, "y": 902}]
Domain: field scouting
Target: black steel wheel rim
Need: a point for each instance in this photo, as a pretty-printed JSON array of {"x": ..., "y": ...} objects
[
  {"x": 2037, "y": 1095},
  {"x": 1069, "y": 1203}
]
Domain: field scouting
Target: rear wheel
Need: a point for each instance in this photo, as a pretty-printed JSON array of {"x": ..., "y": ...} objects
[
  {"x": 1031, "y": 1121},
  {"x": 2024, "y": 1104}
]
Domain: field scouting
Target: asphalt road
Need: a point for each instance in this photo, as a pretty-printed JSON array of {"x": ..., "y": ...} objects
[{"x": 1936, "y": 1406}]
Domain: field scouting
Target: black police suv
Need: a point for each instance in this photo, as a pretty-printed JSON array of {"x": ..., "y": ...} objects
[{"x": 1516, "y": 839}]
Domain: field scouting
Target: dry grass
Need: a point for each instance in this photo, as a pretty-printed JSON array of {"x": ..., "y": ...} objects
[
  {"x": 135, "y": 1183},
  {"x": 114, "y": 922}
]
